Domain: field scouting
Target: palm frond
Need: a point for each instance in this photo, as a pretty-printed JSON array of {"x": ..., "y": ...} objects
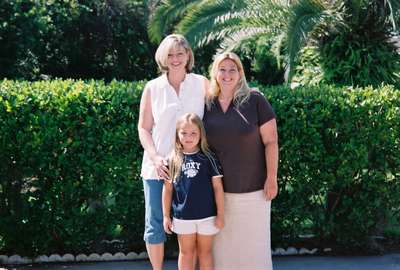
[
  {"x": 219, "y": 32},
  {"x": 218, "y": 20},
  {"x": 166, "y": 15},
  {"x": 394, "y": 9},
  {"x": 236, "y": 37},
  {"x": 207, "y": 17},
  {"x": 276, "y": 48},
  {"x": 307, "y": 16}
]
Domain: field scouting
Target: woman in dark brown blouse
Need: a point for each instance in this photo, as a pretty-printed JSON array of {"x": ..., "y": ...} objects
[{"x": 241, "y": 129}]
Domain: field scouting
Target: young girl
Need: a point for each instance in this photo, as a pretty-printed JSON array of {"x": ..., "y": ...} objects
[{"x": 195, "y": 191}]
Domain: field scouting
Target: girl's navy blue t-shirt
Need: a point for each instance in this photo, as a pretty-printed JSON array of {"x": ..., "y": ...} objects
[{"x": 193, "y": 195}]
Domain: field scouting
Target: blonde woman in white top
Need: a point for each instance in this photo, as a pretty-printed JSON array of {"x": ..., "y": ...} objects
[{"x": 164, "y": 100}]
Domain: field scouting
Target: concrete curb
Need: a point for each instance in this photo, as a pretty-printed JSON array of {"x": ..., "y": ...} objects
[
  {"x": 93, "y": 257},
  {"x": 119, "y": 256}
]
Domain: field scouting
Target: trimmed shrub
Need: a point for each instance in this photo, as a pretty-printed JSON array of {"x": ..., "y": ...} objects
[
  {"x": 340, "y": 163},
  {"x": 70, "y": 160}
]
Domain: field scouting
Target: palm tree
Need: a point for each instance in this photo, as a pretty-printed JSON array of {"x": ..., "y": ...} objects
[
  {"x": 229, "y": 22},
  {"x": 294, "y": 23}
]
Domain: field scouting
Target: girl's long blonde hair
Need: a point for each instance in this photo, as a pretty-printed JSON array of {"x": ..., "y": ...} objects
[
  {"x": 242, "y": 91},
  {"x": 176, "y": 158}
]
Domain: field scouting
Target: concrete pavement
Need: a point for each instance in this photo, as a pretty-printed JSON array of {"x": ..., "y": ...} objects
[{"x": 385, "y": 262}]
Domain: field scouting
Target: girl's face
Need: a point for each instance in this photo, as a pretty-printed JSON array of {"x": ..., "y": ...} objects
[
  {"x": 189, "y": 137},
  {"x": 178, "y": 57},
  {"x": 228, "y": 75}
]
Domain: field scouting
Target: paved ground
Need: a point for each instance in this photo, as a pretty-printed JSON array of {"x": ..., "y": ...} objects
[{"x": 385, "y": 262}]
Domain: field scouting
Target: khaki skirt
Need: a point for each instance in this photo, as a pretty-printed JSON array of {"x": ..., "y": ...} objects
[{"x": 244, "y": 243}]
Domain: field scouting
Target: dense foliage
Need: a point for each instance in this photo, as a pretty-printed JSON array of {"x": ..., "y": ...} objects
[
  {"x": 340, "y": 163},
  {"x": 357, "y": 58},
  {"x": 75, "y": 39},
  {"x": 352, "y": 36},
  {"x": 70, "y": 159},
  {"x": 69, "y": 155}
]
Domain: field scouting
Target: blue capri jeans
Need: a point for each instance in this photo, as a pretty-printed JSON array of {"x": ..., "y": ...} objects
[{"x": 154, "y": 230}]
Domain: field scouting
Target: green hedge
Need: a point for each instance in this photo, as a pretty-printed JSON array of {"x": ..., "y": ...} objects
[
  {"x": 339, "y": 164},
  {"x": 69, "y": 156},
  {"x": 70, "y": 159}
]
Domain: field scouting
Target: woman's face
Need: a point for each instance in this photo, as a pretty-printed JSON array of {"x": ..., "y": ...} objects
[
  {"x": 178, "y": 57},
  {"x": 228, "y": 75}
]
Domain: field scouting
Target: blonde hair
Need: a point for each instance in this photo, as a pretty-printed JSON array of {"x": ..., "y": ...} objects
[
  {"x": 242, "y": 91},
  {"x": 176, "y": 159},
  {"x": 168, "y": 43}
]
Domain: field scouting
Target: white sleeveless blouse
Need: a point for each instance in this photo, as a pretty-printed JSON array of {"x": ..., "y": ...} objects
[{"x": 167, "y": 107}]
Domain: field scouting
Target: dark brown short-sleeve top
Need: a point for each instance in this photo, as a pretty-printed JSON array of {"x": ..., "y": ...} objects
[{"x": 235, "y": 137}]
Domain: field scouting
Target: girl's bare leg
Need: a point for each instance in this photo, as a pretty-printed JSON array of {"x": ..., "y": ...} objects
[
  {"x": 187, "y": 245},
  {"x": 204, "y": 251}
]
